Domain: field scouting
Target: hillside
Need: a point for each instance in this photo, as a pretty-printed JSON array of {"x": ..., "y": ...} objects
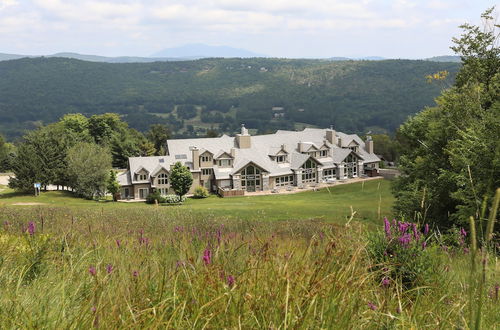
[{"x": 194, "y": 95}]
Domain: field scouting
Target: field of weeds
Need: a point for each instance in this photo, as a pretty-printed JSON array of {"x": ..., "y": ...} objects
[{"x": 147, "y": 268}]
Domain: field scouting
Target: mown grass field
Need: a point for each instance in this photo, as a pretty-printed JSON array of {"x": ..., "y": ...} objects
[
  {"x": 333, "y": 204},
  {"x": 280, "y": 261}
]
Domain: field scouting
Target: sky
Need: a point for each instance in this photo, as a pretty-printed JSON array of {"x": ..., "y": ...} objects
[{"x": 277, "y": 28}]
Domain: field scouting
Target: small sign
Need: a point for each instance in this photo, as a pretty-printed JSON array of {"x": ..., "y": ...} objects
[{"x": 38, "y": 185}]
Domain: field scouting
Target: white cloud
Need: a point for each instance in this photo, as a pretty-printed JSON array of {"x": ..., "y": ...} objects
[{"x": 8, "y": 3}]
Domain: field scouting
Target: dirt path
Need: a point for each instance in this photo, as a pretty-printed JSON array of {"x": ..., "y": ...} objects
[{"x": 28, "y": 204}]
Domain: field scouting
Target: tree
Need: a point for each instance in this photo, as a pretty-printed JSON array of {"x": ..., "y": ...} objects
[
  {"x": 88, "y": 168},
  {"x": 450, "y": 157},
  {"x": 7, "y": 153},
  {"x": 181, "y": 179},
  {"x": 158, "y": 134},
  {"x": 113, "y": 186}
]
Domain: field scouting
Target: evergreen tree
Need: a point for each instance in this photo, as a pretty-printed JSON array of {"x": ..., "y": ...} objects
[{"x": 113, "y": 187}]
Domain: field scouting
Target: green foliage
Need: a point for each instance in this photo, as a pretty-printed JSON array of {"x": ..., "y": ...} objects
[
  {"x": 386, "y": 146},
  {"x": 7, "y": 154},
  {"x": 155, "y": 197},
  {"x": 401, "y": 254},
  {"x": 450, "y": 155},
  {"x": 158, "y": 134},
  {"x": 200, "y": 192},
  {"x": 355, "y": 96},
  {"x": 88, "y": 169},
  {"x": 113, "y": 187},
  {"x": 181, "y": 179}
]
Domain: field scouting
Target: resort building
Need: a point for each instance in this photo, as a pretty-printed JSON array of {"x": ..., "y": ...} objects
[{"x": 246, "y": 163}]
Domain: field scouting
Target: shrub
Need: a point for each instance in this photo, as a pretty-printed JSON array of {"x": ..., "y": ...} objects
[
  {"x": 155, "y": 197},
  {"x": 401, "y": 253},
  {"x": 200, "y": 192},
  {"x": 174, "y": 199}
]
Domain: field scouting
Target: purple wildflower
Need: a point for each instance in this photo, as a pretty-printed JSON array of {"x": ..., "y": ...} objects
[
  {"x": 416, "y": 234},
  {"x": 92, "y": 271},
  {"x": 385, "y": 282},
  {"x": 230, "y": 281},
  {"x": 93, "y": 309},
  {"x": 118, "y": 243},
  {"x": 426, "y": 229},
  {"x": 387, "y": 228},
  {"x": 109, "y": 268},
  {"x": 207, "y": 256},
  {"x": 31, "y": 228},
  {"x": 463, "y": 232},
  {"x": 372, "y": 306},
  {"x": 466, "y": 250},
  {"x": 424, "y": 245},
  {"x": 405, "y": 240},
  {"x": 135, "y": 273}
]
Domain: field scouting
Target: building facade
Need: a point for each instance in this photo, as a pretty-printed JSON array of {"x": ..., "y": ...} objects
[{"x": 254, "y": 163}]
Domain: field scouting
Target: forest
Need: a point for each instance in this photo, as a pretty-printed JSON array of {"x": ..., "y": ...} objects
[{"x": 193, "y": 97}]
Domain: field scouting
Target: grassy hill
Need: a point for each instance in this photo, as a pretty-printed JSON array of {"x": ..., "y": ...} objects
[{"x": 353, "y": 95}]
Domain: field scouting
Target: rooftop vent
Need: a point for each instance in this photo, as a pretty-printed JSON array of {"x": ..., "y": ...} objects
[
  {"x": 182, "y": 156},
  {"x": 161, "y": 160}
]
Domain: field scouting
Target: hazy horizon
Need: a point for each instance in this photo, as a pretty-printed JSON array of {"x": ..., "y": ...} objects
[{"x": 286, "y": 29}]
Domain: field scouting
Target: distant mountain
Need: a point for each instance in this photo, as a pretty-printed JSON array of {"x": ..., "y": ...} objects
[
  {"x": 7, "y": 57},
  {"x": 445, "y": 58},
  {"x": 196, "y": 51},
  {"x": 95, "y": 58},
  {"x": 366, "y": 58}
]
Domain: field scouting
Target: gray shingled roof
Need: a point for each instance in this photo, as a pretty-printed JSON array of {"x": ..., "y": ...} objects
[{"x": 261, "y": 147}]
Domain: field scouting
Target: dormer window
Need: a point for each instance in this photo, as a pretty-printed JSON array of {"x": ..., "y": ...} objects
[
  {"x": 142, "y": 177},
  {"x": 224, "y": 162},
  {"x": 206, "y": 158},
  {"x": 280, "y": 159},
  {"x": 323, "y": 153}
]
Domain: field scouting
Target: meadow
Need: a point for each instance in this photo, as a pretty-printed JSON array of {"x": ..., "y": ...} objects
[{"x": 83, "y": 264}]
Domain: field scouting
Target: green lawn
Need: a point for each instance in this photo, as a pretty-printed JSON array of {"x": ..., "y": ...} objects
[{"x": 327, "y": 204}]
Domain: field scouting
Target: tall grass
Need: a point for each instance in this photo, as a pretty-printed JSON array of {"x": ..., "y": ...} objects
[{"x": 131, "y": 268}]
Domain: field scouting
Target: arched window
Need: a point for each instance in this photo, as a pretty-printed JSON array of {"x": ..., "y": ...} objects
[{"x": 163, "y": 178}]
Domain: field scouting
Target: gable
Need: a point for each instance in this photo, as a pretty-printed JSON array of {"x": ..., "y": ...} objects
[{"x": 224, "y": 155}]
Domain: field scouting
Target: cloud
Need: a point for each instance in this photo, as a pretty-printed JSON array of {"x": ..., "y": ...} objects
[{"x": 8, "y": 3}]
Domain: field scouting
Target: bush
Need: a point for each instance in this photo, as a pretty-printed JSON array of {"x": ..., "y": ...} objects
[
  {"x": 174, "y": 199},
  {"x": 155, "y": 197},
  {"x": 400, "y": 253},
  {"x": 200, "y": 192}
]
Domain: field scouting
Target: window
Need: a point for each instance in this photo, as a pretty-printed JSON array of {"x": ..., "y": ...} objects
[
  {"x": 224, "y": 162},
  {"x": 162, "y": 178},
  {"x": 323, "y": 153},
  {"x": 351, "y": 159},
  {"x": 141, "y": 177},
  {"x": 330, "y": 173},
  {"x": 206, "y": 158},
  {"x": 309, "y": 172},
  {"x": 206, "y": 171},
  {"x": 286, "y": 180},
  {"x": 143, "y": 193},
  {"x": 280, "y": 159},
  {"x": 355, "y": 149},
  {"x": 163, "y": 191}
]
